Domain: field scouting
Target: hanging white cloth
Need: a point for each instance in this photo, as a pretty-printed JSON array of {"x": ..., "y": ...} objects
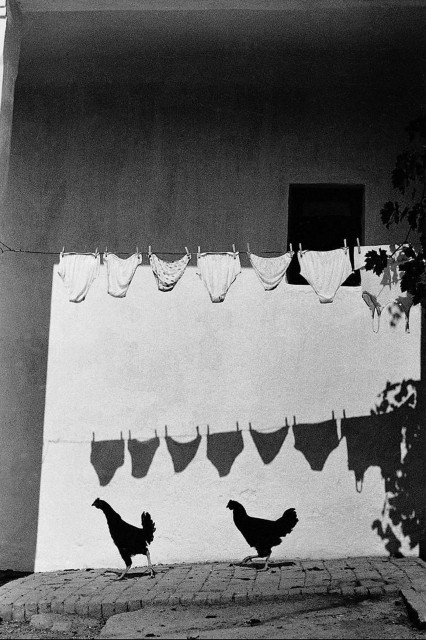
[
  {"x": 270, "y": 271},
  {"x": 218, "y": 271},
  {"x": 120, "y": 272},
  {"x": 325, "y": 270},
  {"x": 78, "y": 271}
]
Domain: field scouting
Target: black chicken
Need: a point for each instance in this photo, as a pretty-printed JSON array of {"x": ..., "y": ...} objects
[
  {"x": 262, "y": 534},
  {"x": 128, "y": 539}
]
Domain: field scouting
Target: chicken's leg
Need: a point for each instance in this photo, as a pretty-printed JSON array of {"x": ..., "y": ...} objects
[
  {"x": 265, "y": 568},
  {"x": 124, "y": 572},
  {"x": 151, "y": 570},
  {"x": 127, "y": 558}
]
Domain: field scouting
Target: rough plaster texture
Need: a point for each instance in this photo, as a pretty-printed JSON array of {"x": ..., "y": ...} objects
[{"x": 176, "y": 359}]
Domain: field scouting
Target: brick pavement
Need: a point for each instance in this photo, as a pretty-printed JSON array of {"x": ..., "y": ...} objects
[{"x": 97, "y": 592}]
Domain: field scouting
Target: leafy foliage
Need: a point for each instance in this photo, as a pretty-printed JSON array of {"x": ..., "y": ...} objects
[{"x": 409, "y": 178}]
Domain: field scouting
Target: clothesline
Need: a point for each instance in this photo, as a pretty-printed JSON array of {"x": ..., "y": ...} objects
[
  {"x": 194, "y": 433},
  {"x": 325, "y": 271},
  {"x": 117, "y": 253},
  {"x": 147, "y": 253}
]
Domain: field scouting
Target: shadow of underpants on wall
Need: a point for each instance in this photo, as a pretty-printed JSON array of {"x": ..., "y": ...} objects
[
  {"x": 182, "y": 453},
  {"x": 374, "y": 440},
  {"x": 223, "y": 448},
  {"x": 269, "y": 444},
  {"x": 106, "y": 457},
  {"x": 142, "y": 453},
  {"x": 316, "y": 441}
]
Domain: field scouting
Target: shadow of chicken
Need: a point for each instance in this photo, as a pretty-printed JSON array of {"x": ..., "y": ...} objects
[
  {"x": 129, "y": 540},
  {"x": 262, "y": 534}
]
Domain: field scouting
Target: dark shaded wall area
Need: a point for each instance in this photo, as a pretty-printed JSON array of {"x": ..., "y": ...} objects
[{"x": 120, "y": 151}]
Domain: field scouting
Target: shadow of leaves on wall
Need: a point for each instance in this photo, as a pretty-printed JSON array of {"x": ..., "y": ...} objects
[
  {"x": 316, "y": 441},
  {"x": 142, "y": 453},
  {"x": 182, "y": 453},
  {"x": 405, "y": 503},
  {"x": 269, "y": 444},
  {"x": 106, "y": 457},
  {"x": 223, "y": 448}
]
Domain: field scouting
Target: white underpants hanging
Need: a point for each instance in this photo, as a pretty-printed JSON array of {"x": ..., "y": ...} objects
[
  {"x": 168, "y": 273},
  {"x": 325, "y": 270},
  {"x": 381, "y": 291},
  {"x": 270, "y": 271},
  {"x": 78, "y": 271},
  {"x": 218, "y": 271},
  {"x": 120, "y": 272}
]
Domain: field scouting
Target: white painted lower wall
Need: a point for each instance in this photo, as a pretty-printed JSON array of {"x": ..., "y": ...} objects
[{"x": 154, "y": 359}]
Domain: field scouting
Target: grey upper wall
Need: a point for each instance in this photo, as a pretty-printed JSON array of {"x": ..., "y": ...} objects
[
  {"x": 245, "y": 47},
  {"x": 181, "y": 128}
]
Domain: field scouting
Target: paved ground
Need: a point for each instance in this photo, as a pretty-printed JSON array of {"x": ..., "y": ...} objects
[{"x": 98, "y": 594}]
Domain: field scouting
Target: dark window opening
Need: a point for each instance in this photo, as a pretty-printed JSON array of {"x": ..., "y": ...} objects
[{"x": 320, "y": 218}]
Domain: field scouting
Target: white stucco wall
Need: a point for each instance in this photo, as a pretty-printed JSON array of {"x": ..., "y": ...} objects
[{"x": 155, "y": 359}]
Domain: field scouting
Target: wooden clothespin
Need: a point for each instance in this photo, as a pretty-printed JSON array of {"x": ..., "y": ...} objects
[
  {"x": 250, "y": 429},
  {"x": 130, "y": 435},
  {"x": 238, "y": 428},
  {"x": 106, "y": 250},
  {"x": 233, "y": 248},
  {"x": 359, "y": 246},
  {"x": 248, "y": 248},
  {"x": 149, "y": 250},
  {"x": 300, "y": 247},
  {"x": 344, "y": 243},
  {"x": 291, "y": 247},
  {"x": 332, "y": 415},
  {"x": 199, "y": 250},
  {"x": 165, "y": 431},
  {"x": 187, "y": 252}
]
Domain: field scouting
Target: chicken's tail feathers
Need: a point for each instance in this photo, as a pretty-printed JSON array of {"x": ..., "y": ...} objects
[
  {"x": 288, "y": 521},
  {"x": 148, "y": 526}
]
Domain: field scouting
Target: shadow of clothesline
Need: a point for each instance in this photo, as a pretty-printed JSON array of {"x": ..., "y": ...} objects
[
  {"x": 316, "y": 441},
  {"x": 269, "y": 444},
  {"x": 142, "y": 453},
  {"x": 182, "y": 453},
  {"x": 106, "y": 457},
  {"x": 223, "y": 449}
]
